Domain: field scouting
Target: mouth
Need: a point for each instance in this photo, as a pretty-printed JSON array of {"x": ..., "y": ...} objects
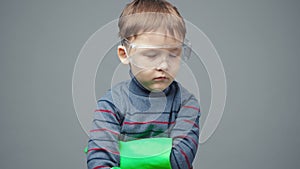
[{"x": 162, "y": 78}]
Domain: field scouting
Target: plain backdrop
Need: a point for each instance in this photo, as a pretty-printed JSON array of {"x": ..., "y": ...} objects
[{"x": 258, "y": 43}]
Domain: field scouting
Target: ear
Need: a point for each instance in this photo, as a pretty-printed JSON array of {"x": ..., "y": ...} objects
[{"x": 123, "y": 54}]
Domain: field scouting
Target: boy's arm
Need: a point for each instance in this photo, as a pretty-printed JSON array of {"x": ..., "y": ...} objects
[
  {"x": 103, "y": 148},
  {"x": 185, "y": 134}
]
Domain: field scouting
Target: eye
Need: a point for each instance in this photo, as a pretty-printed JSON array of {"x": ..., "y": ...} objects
[
  {"x": 150, "y": 54},
  {"x": 176, "y": 52},
  {"x": 174, "y": 55}
]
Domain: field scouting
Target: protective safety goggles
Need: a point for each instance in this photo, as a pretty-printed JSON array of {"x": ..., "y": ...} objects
[{"x": 152, "y": 56}]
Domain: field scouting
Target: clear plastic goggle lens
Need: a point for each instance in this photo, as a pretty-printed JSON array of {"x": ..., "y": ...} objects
[{"x": 151, "y": 56}]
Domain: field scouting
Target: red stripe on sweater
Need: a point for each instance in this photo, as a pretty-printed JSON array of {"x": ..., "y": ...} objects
[
  {"x": 191, "y": 122},
  {"x": 103, "y": 149},
  {"x": 106, "y": 111},
  {"x": 191, "y": 107},
  {"x": 104, "y": 129},
  {"x": 186, "y": 158},
  {"x": 193, "y": 140},
  {"x": 147, "y": 122},
  {"x": 101, "y": 167}
]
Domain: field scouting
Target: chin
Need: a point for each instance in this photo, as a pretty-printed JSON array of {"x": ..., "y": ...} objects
[{"x": 157, "y": 88}]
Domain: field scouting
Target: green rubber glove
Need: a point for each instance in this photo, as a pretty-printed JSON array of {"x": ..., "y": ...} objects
[{"x": 150, "y": 153}]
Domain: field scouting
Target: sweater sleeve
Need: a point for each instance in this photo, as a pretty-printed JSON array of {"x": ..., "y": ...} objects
[
  {"x": 103, "y": 149},
  {"x": 185, "y": 134}
]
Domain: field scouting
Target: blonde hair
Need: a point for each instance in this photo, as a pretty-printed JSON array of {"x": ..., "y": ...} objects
[{"x": 142, "y": 16}]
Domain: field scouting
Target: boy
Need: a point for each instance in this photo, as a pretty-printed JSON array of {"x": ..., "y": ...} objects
[{"x": 151, "y": 104}]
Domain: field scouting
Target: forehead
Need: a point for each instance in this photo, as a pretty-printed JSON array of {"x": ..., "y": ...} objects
[{"x": 157, "y": 39}]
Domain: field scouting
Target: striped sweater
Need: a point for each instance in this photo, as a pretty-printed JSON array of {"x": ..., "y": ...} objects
[{"x": 128, "y": 111}]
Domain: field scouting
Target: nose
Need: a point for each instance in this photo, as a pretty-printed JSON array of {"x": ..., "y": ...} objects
[{"x": 163, "y": 64}]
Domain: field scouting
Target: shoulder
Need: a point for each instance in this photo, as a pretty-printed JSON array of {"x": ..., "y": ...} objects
[{"x": 115, "y": 95}]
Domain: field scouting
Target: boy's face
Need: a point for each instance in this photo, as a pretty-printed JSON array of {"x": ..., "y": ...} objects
[{"x": 154, "y": 60}]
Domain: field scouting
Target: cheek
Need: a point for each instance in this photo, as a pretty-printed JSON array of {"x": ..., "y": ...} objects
[
  {"x": 140, "y": 74},
  {"x": 174, "y": 70},
  {"x": 135, "y": 70}
]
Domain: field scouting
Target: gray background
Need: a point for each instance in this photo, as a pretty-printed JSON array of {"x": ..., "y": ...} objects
[{"x": 258, "y": 42}]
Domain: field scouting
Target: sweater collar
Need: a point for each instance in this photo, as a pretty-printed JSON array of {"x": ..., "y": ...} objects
[{"x": 137, "y": 88}]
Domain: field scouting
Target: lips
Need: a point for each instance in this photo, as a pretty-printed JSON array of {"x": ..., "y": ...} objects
[{"x": 160, "y": 78}]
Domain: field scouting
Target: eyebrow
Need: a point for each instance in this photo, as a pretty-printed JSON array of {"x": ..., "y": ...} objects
[
  {"x": 175, "y": 49},
  {"x": 168, "y": 49},
  {"x": 150, "y": 50}
]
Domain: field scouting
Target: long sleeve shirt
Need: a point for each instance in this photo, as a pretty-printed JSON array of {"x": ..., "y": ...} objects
[{"x": 128, "y": 111}]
